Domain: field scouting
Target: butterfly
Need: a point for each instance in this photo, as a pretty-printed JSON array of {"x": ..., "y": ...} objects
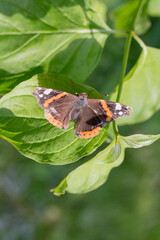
[{"x": 90, "y": 114}]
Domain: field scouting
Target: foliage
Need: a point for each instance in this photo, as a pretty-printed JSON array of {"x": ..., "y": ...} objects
[{"x": 68, "y": 38}]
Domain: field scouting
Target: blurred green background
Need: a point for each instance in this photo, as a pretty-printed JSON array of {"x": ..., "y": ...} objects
[{"x": 126, "y": 207}]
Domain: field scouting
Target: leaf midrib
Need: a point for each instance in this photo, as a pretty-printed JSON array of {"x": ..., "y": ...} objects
[{"x": 79, "y": 31}]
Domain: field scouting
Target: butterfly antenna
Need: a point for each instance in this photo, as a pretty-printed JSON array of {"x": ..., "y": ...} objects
[
  {"x": 90, "y": 91},
  {"x": 104, "y": 95},
  {"x": 74, "y": 87}
]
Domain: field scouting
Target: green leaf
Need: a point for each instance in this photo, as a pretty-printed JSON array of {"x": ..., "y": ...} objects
[
  {"x": 93, "y": 173},
  {"x": 139, "y": 140},
  {"x": 63, "y": 83},
  {"x": 56, "y": 36},
  {"x": 154, "y": 8},
  {"x": 23, "y": 124},
  {"x": 100, "y": 7},
  {"x": 124, "y": 17},
  {"x": 141, "y": 88}
]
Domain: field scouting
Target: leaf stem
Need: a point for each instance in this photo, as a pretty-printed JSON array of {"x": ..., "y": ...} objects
[
  {"x": 124, "y": 65},
  {"x": 125, "y": 60},
  {"x": 139, "y": 8},
  {"x": 139, "y": 41}
]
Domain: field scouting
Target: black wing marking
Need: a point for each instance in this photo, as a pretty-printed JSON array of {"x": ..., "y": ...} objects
[
  {"x": 112, "y": 110},
  {"x": 88, "y": 123},
  {"x": 118, "y": 110}
]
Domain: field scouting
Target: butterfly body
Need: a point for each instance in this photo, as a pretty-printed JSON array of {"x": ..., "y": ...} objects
[{"x": 90, "y": 114}]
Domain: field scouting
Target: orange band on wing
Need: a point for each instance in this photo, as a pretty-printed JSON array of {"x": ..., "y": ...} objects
[
  {"x": 53, "y": 121},
  {"x": 106, "y": 108},
  {"x": 89, "y": 134},
  {"x": 47, "y": 102},
  {"x": 108, "y": 119}
]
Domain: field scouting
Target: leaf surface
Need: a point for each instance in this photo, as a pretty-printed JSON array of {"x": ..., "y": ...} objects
[
  {"x": 48, "y": 36},
  {"x": 154, "y": 8},
  {"x": 124, "y": 17},
  {"x": 141, "y": 88},
  {"x": 93, "y": 173},
  {"x": 140, "y": 140},
  {"x": 23, "y": 124}
]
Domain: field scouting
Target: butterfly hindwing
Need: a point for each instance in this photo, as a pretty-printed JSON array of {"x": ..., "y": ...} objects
[
  {"x": 88, "y": 123},
  {"x": 96, "y": 114}
]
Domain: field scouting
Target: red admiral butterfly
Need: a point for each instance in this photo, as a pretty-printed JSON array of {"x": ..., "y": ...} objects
[{"x": 90, "y": 114}]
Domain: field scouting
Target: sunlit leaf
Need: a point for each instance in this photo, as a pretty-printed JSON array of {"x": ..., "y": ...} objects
[
  {"x": 100, "y": 7},
  {"x": 154, "y": 8},
  {"x": 141, "y": 88},
  {"x": 56, "y": 36},
  {"x": 23, "y": 124},
  {"x": 93, "y": 173}
]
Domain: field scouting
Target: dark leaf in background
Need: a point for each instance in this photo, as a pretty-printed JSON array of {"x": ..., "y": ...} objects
[{"x": 124, "y": 17}]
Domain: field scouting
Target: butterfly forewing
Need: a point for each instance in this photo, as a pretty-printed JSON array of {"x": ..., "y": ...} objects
[{"x": 57, "y": 105}]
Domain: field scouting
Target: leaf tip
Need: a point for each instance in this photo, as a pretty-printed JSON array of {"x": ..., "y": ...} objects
[{"x": 60, "y": 189}]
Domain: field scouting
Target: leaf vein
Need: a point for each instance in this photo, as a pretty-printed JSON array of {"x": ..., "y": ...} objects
[{"x": 21, "y": 47}]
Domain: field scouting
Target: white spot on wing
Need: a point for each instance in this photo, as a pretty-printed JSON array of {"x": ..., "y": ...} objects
[
  {"x": 120, "y": 113},
  {"x": 118, "y": 106},
  {"x": 40, "y": 95},
  {"x": 47, "y": 91}
]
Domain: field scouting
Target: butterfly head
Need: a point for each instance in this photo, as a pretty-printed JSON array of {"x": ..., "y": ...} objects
[
  {"x": 82, "y": 100},
  {"x": 83, "y": 95}
]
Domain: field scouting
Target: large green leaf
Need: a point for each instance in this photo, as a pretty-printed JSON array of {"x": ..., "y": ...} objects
[
  {"x": 125, "y": 14},
  {"x": 141, "y": 88},
  {"x": 93, "y": 173},
  {"x": 23, "y": 124},
  {"x": 52, "y": 36}
]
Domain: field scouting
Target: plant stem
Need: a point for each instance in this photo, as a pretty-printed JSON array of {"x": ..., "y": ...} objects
[
  {"x": 139, "y": 8},
  {"x": 139, "y": 41},
  {"x": 124, "y": 64},
  {"x": 125, "y": 60}
]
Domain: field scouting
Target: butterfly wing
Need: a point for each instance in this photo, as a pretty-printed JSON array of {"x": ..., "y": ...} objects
[
  {"x": 57, "y": 105},
  {"x": 114, "y": 110},
  {"x": 96, "y": 114},
  {"x": 89, "y": 123}
]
